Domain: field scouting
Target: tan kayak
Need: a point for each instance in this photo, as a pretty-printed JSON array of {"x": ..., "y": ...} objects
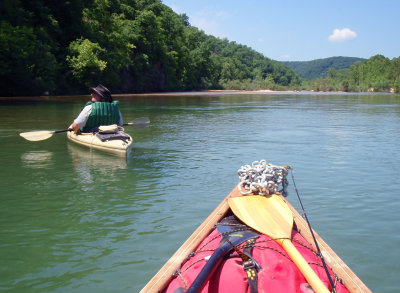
[
  {"x": 118, "y": 147},
  {"x": 113, "y": 138}
]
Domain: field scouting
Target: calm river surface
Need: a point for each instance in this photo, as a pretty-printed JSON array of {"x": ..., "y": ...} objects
[{"x": 72, "y": 220}]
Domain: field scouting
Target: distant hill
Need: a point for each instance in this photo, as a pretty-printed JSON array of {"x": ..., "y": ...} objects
[{"x": 319, "y": 68}]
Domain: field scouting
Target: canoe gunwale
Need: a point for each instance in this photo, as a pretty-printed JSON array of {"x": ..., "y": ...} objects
[{"x": 334, "y": 262}]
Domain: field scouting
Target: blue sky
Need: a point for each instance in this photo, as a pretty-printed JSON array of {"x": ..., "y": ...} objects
[{"x": 295, "y": 30}]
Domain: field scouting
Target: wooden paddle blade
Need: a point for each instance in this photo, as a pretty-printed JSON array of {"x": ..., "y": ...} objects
[
  {"x": 268, "y": 215},
  {"x": 37, "y": 135},
  {"x": 271, "y": 216}
]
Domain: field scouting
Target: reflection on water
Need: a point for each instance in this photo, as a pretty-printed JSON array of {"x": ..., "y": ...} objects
[
  {"x": 37, "y": 159},
  {"x": 90, "y": 165}
]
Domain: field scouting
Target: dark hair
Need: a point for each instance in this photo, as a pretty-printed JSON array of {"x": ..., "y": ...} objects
[{"x": 103, "y": 92}]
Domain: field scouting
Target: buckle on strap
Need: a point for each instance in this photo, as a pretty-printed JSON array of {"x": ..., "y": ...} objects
[
  {"x": 250, "y": 263},
  {"x": 251, "y": 267}
]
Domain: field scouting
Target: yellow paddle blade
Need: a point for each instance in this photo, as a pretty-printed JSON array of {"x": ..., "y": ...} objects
[
  {"x": 37, "y": 135},
  {"x": 269, "y": 215}
]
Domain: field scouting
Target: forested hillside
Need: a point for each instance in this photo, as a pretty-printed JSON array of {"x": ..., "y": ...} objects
[
  {"x": 319, "y": 68},
  {"x": 376, "y": 74},
  {"x": 63, "y": 47}
]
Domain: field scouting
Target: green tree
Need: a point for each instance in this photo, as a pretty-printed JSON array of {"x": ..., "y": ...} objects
[
  {"x": 27, "y": 65},
  {"x": 85, "y": 62},
  {"x": 107, "y": 47},
  {"x": 130, "y": 45}
]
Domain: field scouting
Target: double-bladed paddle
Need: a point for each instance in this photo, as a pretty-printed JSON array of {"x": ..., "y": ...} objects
[
  {"x": 271, "y": 216},
  {"x": 45, "y": 134}
]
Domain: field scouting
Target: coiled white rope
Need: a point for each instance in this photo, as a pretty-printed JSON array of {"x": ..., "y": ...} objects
[{"x": 263, "y": 178}]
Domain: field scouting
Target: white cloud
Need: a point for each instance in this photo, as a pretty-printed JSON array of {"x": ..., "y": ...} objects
[
  {"x": 342, "y": 35},
  {"x": 285, "y": 57},
  {"x": 210, "y": 21},
  {"x": 210, "y": 27},
  {"x": 175, "y": 8}
]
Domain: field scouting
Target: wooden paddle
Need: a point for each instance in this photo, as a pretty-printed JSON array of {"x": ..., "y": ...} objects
[
  {"x": 45, "y": 134},
  {"x": 271, "y": 216}
]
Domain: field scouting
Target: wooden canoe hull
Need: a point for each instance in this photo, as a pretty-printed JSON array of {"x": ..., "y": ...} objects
[{"x": 165, "y": 274}]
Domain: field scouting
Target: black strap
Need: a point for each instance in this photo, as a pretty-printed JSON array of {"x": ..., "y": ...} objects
[{"x": 250, "y": 266}]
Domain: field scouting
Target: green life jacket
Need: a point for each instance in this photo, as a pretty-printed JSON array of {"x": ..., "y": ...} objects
[{"x": 103, "y": 113}]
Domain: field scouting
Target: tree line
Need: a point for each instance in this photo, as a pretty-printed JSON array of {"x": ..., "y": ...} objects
[
  {"x": 63, "y": 47},
  {"x": 377, "y": 74},
  {"x": 318, "y": 68}
]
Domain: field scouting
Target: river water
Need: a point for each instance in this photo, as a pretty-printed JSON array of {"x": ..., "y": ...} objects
[{"x": 72, "y": 220}]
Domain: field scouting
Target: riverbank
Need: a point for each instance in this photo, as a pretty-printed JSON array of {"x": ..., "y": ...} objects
[
  {"x": 200, "y": 93},
  {"x": 246, "y": 92}
]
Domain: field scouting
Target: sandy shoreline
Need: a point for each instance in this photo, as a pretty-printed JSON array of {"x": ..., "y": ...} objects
[
  {"x": 244, "y": 92},
  {"x": 211, "y": 92},
  {"x": 200, "y": 93}
]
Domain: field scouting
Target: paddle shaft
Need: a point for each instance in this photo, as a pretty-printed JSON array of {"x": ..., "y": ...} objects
[
  {"x": 63, "y": 130},
  {"x": 311, "y": 277}
]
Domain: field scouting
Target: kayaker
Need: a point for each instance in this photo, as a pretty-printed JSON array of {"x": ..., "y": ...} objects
[{"x": 102, "y": 110}]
